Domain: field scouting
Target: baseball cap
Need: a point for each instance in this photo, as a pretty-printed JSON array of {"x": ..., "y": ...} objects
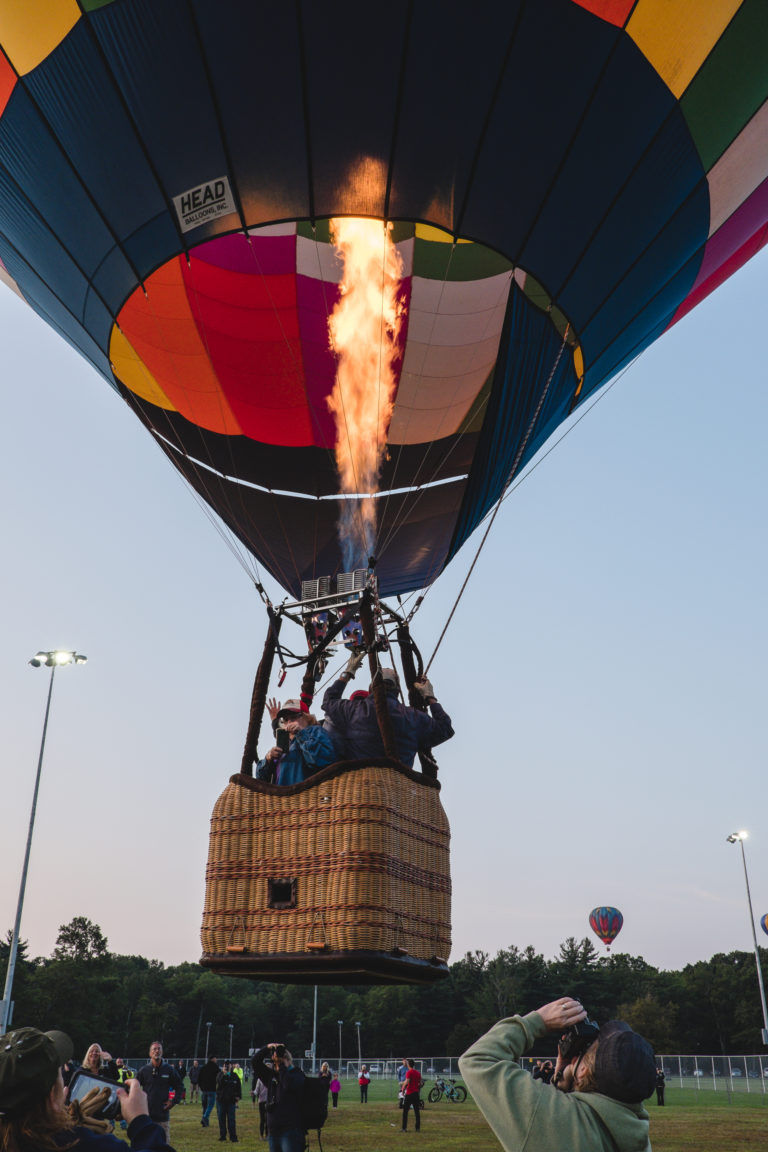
[
  {"x": 625, "y": 1067},
  {"x": 29, "y": 1063},
  {"x": 289, "y": 707}
]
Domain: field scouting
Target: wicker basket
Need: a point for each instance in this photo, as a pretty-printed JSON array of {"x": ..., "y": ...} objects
[{"x": 345, "y": 875}]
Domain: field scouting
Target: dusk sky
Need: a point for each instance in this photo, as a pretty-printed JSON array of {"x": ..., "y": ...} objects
[{"x": 605, "y": 671}]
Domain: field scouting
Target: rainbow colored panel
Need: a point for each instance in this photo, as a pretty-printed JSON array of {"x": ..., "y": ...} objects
[{"x": 565, "y": 180}]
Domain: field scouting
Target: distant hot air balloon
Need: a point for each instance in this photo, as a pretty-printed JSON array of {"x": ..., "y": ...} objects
[
  {"x": 606, "y": 924},
  {"x": 764, "y": 923}
]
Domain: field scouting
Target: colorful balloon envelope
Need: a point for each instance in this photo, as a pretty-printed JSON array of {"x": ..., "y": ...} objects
[
  {"x": 566, "y": 178},
  {"x": 764, "y": 923},
  {"x": 606, "y": 923}
]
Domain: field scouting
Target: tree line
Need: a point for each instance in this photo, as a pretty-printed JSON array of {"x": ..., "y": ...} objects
[{"x": 125, "y": 1002}]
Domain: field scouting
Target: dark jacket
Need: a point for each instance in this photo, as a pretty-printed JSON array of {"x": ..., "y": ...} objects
[
  {"x": 143, "y": 1134},
  {"x": 228, "y": 1088},
  {"x": 285, "y": 1088},
  {"x": 355, "y": 722},
  {"x": 158, "y": 1083},
  {"x": 206, "y": 1081},
  {"x": 194, "y": 1073}
]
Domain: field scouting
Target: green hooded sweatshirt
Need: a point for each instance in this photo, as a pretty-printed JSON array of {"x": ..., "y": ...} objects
[{"x": 528, "y": 1115}]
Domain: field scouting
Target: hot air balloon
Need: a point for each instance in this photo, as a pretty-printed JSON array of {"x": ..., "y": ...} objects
[
  {"x": 606, "y": 924},
  {"x": 764, "y": 923},
  {"x": 560, "y": 182}
]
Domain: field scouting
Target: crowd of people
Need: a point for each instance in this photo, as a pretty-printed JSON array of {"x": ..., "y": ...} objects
[
  {"x": 350, "y": 728},
  {"x": 589, "y": 1100}
]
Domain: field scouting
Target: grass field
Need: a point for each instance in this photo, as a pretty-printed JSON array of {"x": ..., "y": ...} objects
[{"x": 691, "y": 1120}]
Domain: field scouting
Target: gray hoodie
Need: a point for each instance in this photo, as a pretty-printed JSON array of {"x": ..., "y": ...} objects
[{"x": 528, "y": 1115}]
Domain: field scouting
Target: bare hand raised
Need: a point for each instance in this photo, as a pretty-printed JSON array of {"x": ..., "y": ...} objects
[{"x": 562, "y": 1014}]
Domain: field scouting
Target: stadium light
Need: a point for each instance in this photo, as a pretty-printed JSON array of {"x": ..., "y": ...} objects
[
  {"x": 53, "y": 660},
  {"x": 739, "y": 838}
]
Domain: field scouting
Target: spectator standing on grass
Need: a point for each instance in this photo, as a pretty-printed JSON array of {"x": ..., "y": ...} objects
[
  {"x": 335, "y": 1089},
  {"x": 194, "y": 1073},
  {"x": 595, "y": 1101},
  {"x": 228, "y": 1093},
  {"x": 285, "y": 1084},
  {"x": 260, "y": 1096},
  {"x": 161, "y": 1083},
  {"x": 412, "y": 1099},
  {"x": 209, "y": 1074},
  {"x": 364, "y": 1080},
  {"x": 401, "y": 1074},
  {"x": 660, "y": 1080}
]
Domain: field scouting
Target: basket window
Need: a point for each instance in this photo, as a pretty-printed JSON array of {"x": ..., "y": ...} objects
[{"x": 282, "y": 894}]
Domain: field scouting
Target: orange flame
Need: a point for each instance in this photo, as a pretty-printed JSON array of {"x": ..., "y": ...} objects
[{"x": 363, "y": 329}]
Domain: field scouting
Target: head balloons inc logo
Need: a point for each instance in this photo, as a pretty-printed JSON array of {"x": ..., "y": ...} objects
[{"x": 197, "y": 205}]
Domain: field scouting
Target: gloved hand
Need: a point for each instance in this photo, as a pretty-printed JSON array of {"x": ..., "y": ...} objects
[
  {"x": 354, "y": 663},
  {"x": 424, "y": 689},
  {"x": 83, "y": 1111}
]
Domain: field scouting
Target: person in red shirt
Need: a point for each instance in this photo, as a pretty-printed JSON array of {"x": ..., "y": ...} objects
[{"x": 411, "y": 1087}]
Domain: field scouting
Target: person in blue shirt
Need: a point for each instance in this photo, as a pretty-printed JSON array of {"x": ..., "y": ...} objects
[{"x": 310, "y": 748}]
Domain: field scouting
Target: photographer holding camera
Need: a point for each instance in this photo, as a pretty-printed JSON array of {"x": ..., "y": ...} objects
[
  {"x": 601, "y": 1077},
  {"x": 273, "y": 1065}
]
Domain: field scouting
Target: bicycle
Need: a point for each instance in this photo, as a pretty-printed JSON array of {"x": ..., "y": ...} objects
[{"x": 448, "y": 1089}]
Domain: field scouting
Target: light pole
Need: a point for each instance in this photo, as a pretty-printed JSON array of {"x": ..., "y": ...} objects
[
  {"x": 339, "y": 1022},
  {"x": 208, "y": 1024},
  {"x": 359, "y": 1050},
  {"x": 52, "y": 660},
  {"x": 734, "y": 838},
  {"x": 231, "y": 1027}
]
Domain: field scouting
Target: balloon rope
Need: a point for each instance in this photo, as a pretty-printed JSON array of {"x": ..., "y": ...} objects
[{"x": 513, "y": 470}]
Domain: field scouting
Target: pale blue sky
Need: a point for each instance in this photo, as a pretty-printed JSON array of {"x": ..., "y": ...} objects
[{"x": 605, "y": 671}]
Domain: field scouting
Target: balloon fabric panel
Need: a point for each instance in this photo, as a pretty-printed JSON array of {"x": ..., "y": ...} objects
[{"x": 165, "y": 171}]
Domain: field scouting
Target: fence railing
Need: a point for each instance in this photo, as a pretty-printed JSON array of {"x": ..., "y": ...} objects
[{"x": 706, "y": 1073}]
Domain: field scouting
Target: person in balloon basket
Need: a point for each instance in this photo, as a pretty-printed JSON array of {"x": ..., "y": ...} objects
[
  {"x": 411, "y": 1098},
  {"x": 356, "y": 724},
  {"x": 228, "y": 1092},
  {"x": 595, "y": 1101},
  {"x": 273, "y": 1065},
  {"x": 33, "y": 1112},
  {"x": 162, "y": 1085},
  {"x": 303, "y": 747}
]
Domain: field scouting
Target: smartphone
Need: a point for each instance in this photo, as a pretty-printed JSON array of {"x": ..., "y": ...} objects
[
  {"x": 283, "y": 740},
  {"x": 82, "y": 1083}
]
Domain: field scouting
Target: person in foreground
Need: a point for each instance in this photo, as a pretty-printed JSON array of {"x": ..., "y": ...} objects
[
  {"x": 273, "y": 1065},
  {"x": 33, "y": 1115},
  {"x": 595, "y": 1100}
]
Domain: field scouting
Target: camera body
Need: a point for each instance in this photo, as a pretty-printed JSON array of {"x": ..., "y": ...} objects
[
  {"x": 578, "y": 1038},
  {"x": 282, "y": 739}
]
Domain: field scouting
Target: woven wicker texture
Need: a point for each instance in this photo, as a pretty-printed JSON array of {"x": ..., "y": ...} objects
[{"x": 367, "y": 848}]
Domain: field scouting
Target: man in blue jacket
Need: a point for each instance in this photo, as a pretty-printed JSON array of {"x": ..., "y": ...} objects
[
  {"x": 162, "y": 1085},
  {"x": 356, "y": 724}
]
